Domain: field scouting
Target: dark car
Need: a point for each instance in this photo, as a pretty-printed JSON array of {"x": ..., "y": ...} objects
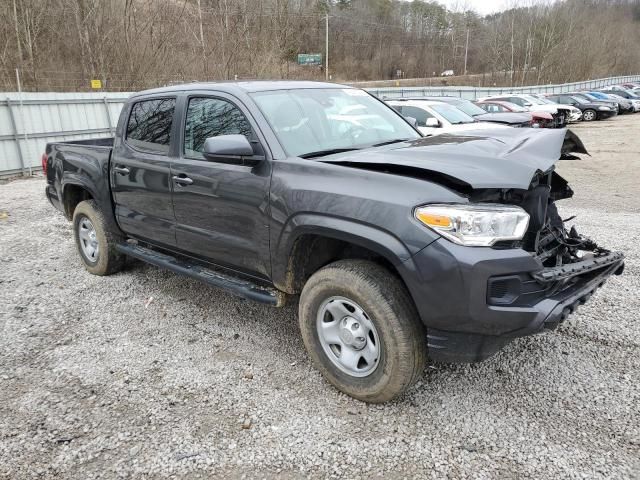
[
  {"x": 621, "y": 92},
  {"x": 631, "y": 96},
  {"x": 590, "y": 110},
  {"x": 522, "y": 119},
  {"x": 621, "y": 104},
  {"x": 395, "y": 247}
]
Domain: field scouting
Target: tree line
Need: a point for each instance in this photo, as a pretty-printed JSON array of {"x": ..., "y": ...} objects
[{"x": 135, "y": 44}]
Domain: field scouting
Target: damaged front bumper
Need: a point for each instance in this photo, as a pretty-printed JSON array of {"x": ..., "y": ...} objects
[{"x": 474, "y": 301}]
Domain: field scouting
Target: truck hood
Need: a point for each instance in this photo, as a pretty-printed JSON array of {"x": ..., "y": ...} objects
[
  {"x": 499, "y": 158},
  {"x": 508, "y": 118}
]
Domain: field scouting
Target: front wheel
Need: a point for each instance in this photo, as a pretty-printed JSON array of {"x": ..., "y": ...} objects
[
  {"x": 362, "y": 331},
  {"x": 589, "y": 115},
  {"x": 95, "y": 242}
]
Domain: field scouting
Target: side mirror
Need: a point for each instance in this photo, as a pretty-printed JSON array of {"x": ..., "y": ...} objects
[
  {"x": 224, "y": 147},
  {"x": 432, "y": 122},
  {"x": 412, "y": 121},
  {"x": 527, "y": 104}
]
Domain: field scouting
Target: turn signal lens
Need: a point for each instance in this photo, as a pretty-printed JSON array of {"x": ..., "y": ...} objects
[{"x": 433, "y": 220}]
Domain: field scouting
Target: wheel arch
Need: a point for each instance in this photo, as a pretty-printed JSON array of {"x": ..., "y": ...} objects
[
  {"x": 73, "y": 193},
  {"x": 319, "y": 240}
]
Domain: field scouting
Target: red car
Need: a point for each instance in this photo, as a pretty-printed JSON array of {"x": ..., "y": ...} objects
[{"x": 539, "y": 119}]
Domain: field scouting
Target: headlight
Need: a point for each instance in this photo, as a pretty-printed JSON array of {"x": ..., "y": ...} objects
[
  {"x": 479, "y": 225},
  {"x": 604, "y": 108}
]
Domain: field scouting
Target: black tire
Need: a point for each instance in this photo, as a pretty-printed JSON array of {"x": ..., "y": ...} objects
[
  {"x": 388, "y": 305},
  {"x": 107, "y": 260},
  {"x": 589, "y": 115}
]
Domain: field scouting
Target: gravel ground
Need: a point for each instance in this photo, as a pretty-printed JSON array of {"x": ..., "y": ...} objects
[{"x": 146, "y": 374}]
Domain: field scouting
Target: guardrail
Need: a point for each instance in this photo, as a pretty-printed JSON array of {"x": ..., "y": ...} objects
[
  {"x": 29, "y": 120},
  {"x": 471, "y": 93}
]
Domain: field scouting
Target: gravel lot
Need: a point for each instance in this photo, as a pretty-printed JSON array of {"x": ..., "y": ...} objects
[{"x": 146, "y": 374}]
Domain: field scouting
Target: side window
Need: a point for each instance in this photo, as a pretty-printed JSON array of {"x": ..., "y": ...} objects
[
  {"x": 149, "y": 126},
  {"x": 210, "y": 117},
  {"x": 419, "y": 114},
  {"x": 517, "y": 101}
]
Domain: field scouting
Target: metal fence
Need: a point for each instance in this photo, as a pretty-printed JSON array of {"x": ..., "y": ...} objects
[{"x": 29, "y": 120}]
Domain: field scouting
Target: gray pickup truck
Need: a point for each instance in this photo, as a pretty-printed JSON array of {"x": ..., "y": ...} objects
[{"x": 400, "y": 248}]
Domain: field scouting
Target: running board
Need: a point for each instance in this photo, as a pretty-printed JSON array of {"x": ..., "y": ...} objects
[{"x": 235, "y": 285}]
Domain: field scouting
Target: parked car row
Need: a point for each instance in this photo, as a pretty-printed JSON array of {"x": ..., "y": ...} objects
[{"x": 435, "y": 115}]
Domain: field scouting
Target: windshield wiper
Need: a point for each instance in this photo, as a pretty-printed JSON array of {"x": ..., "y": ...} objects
[
  {"x": 389, "y": 142},
  {"x": 330, "y": 151}
]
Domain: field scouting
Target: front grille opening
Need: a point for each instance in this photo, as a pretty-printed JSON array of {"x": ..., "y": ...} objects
[{"x": 499, "y": 289}]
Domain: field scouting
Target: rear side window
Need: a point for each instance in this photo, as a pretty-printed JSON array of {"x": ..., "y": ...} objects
[
  {"x": 149, "y": 126},
  {"x": 494, "y": 108},
  {"x": 210, "y": 117}
]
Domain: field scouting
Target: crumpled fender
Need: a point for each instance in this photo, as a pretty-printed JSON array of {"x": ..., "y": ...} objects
[{"x": 572, "y": 144}]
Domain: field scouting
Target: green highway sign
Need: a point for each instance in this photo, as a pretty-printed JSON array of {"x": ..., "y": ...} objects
[{"x": 309, "y": 59}]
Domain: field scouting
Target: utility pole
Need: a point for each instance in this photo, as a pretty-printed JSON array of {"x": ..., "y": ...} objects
[
  {"x": 466, "y": 51},
  {"x": 15, "y": 19},
  {"x": 326, "y": 47}
]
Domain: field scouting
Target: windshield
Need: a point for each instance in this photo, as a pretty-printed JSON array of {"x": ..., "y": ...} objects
[
  {"x": 534, "y": 100},
  {"x": 451, "y": 114},
  {"x": 514, "y": 107},
  {"x": 316, "y": 120},
  {"x": 469, "y": 108}
]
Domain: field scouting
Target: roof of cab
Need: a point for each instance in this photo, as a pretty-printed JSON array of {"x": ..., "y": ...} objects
[{"x": 246, "y": 87}]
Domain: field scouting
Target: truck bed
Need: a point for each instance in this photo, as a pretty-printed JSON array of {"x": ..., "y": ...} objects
[
  {"x": 79, "y": 164},
  {"x": 95, "y": 142}
]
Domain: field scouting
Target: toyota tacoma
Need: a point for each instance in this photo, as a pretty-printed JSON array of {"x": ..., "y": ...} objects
[{"x": 398, "y": 248}]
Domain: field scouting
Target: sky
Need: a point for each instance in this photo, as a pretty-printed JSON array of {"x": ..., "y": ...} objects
[{"x": 483, "y": 7}]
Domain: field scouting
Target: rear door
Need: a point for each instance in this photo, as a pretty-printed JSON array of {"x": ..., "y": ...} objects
[
  {"x": 221, "y": 207},
  {"x": 140, "y": 171}
]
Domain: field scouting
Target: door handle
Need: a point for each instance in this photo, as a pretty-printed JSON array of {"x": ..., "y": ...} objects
[
  {"x": 121, "y": 170},
  {"x": 182, "y": 180}
]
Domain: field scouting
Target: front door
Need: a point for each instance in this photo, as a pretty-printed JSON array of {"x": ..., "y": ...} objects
[
  {"x": 221, "y": 207},
  {"x": 140, "y": 172}
]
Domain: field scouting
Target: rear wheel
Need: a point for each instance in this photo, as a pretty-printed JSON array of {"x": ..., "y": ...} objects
[
  {"x": 589, "y": 115},
  {"x": 362, "y": 330},
  {"x": 96, "y": 244}
]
